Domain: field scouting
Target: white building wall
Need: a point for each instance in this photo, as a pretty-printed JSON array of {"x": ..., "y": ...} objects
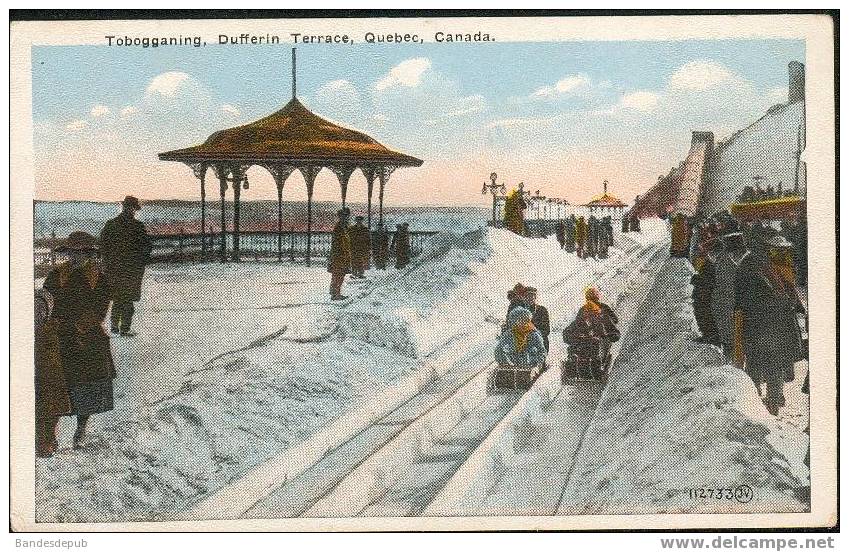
[{"x": 767, "y": 148}]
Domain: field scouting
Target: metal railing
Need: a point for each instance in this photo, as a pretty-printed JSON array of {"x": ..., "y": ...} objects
[{"x": 290, "y": 246}]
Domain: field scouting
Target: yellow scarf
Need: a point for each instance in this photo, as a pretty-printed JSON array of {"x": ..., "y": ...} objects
[
  {"x": 592, "y": 306},
  {"x": 520, "y": 335}
]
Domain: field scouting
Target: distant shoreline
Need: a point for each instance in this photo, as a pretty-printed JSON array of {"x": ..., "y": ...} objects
[{"x": 274, "y": 201}]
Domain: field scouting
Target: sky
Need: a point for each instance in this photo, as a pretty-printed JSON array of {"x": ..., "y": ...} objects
[{"x": 560, "y": 117}]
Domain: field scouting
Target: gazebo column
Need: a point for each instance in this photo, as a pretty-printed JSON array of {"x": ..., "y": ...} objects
[
  {"x": 200, "y": 173},
  {"x": 343, "y": 173},
  {"x": 309, "y": 172},
  {"x": 280, "y": 174},
  {"x": 383, "y": 175},
  {"x": 370, "y": 173},
  {"x": 221, "y": 172},
  {"x": 238, "y": 178}
]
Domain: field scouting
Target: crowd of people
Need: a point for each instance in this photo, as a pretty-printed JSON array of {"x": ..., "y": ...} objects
[
  {"x": 74, "y": 369},
  {"x": 751, "y": 194},
  {"x": 353, "y": 248},
  {"x": 587, "y": 237},
  {"x": 747, "y": 299}
]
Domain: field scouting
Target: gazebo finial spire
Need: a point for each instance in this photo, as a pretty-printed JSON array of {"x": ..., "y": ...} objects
[{"x": 294, "y": 75}]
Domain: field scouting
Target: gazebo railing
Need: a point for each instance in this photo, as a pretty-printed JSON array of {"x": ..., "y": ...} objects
[{"x": 254, "y": 245}]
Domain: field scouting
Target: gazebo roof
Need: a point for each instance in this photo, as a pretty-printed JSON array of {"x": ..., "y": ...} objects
[
  {"x": 294, "y": 134},
  {"x": 605, "y": 200}
]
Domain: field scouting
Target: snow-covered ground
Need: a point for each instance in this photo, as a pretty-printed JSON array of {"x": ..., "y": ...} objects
[
  {"x": 672, "y": 419},
  {"x": 235, "y": 364},
  {"x": 675, "y": 418}
]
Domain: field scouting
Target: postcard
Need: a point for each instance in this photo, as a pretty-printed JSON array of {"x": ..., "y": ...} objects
[{"x": 424, "y": 273}]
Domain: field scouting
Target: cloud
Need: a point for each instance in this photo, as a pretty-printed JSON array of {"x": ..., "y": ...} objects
[
  {"x": 128, "y": 110},
  {"x": 641, "y": 100},
  {"x": 230, "y": 109},
  {"x": 700, "y": 75},
  {"x": 567, "y": 85},
  {"x": 408, "y": 73},
  {"x": 468, "y": 105},
  {"x": 99, "y": 111},
  {"x": 338, "y": 98},
  {"x": 167, "y": 84},
  {"x": 76, "y": 125}
]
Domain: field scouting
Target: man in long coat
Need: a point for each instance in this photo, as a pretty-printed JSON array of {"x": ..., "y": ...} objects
[
  {"x": 733, "y": 253},
  {"x": 81, "y": 299},
  {"x": 339, "y": 263},
  {"x": 635, "y": 223},
  {"x": 360, "y": 247},
  {"x": 592, "y": 236},
  {"x": 766, "y": 303},
  {"x": 581, "y": 237},
  {"x": 561, "y": 234},
  {"x": 380, "y": 243},
  {"x": 401, "y": 245},
  {"x": 570, "y": 234},
  {"x": 125, "y": 249},
  {"x": 703, "y": 283}
]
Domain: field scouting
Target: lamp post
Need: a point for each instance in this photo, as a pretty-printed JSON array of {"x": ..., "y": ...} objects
[{"x": 493, "y": 189}]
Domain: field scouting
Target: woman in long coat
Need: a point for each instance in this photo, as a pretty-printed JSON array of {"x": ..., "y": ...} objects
[
  {"x": 51, "y": 391},
  {"x": 81, "y": 301}
]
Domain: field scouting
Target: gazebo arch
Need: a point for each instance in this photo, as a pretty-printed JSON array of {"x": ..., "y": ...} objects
[{"x": 291, "y": 139}]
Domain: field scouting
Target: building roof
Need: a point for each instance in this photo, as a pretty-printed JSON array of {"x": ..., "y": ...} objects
[
  {"x": 605, "y": 200},
  {"x": 296, "y": 135}
]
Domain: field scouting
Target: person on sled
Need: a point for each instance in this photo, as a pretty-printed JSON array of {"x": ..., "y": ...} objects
[
  {"x": 520, "y": 344},
  {"x": 590, "y": 337}
]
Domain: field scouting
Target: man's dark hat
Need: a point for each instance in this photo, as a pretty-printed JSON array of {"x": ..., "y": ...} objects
[
  {"x": 131, "y": 201},
  {"x": 79, "y": 241},
  {"x": 343, "y": 212}
]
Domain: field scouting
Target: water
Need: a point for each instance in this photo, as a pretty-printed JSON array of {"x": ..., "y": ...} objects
[{"x": 169, "y": 216}]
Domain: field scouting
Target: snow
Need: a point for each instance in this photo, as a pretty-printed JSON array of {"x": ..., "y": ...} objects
[
  {"x": 672, "y": 418},
  {"x": 705, "y": 422},
  {"x": 232, "y": 363},
  {"x": 238, "y": 364},
  {"x": 766, "y": 148},
  {"x": 242, "y": 376}
]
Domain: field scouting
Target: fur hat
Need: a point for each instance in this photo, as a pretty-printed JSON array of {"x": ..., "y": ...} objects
[{"x": 79, "y": 241}]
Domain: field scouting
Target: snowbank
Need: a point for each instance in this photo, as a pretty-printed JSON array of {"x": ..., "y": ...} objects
[
  {"x": 238, "y": 364},
  {"x": 674, "y": 418}
]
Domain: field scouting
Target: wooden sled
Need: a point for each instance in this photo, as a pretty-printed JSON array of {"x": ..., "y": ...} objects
[
  {"x": 507, "y": 377},
  {"x": 583, "y": 364}
]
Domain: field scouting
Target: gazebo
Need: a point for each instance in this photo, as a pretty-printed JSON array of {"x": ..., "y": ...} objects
[
  {"x": 291, "y": 139},
  {"x": 605, "y": 203}
]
